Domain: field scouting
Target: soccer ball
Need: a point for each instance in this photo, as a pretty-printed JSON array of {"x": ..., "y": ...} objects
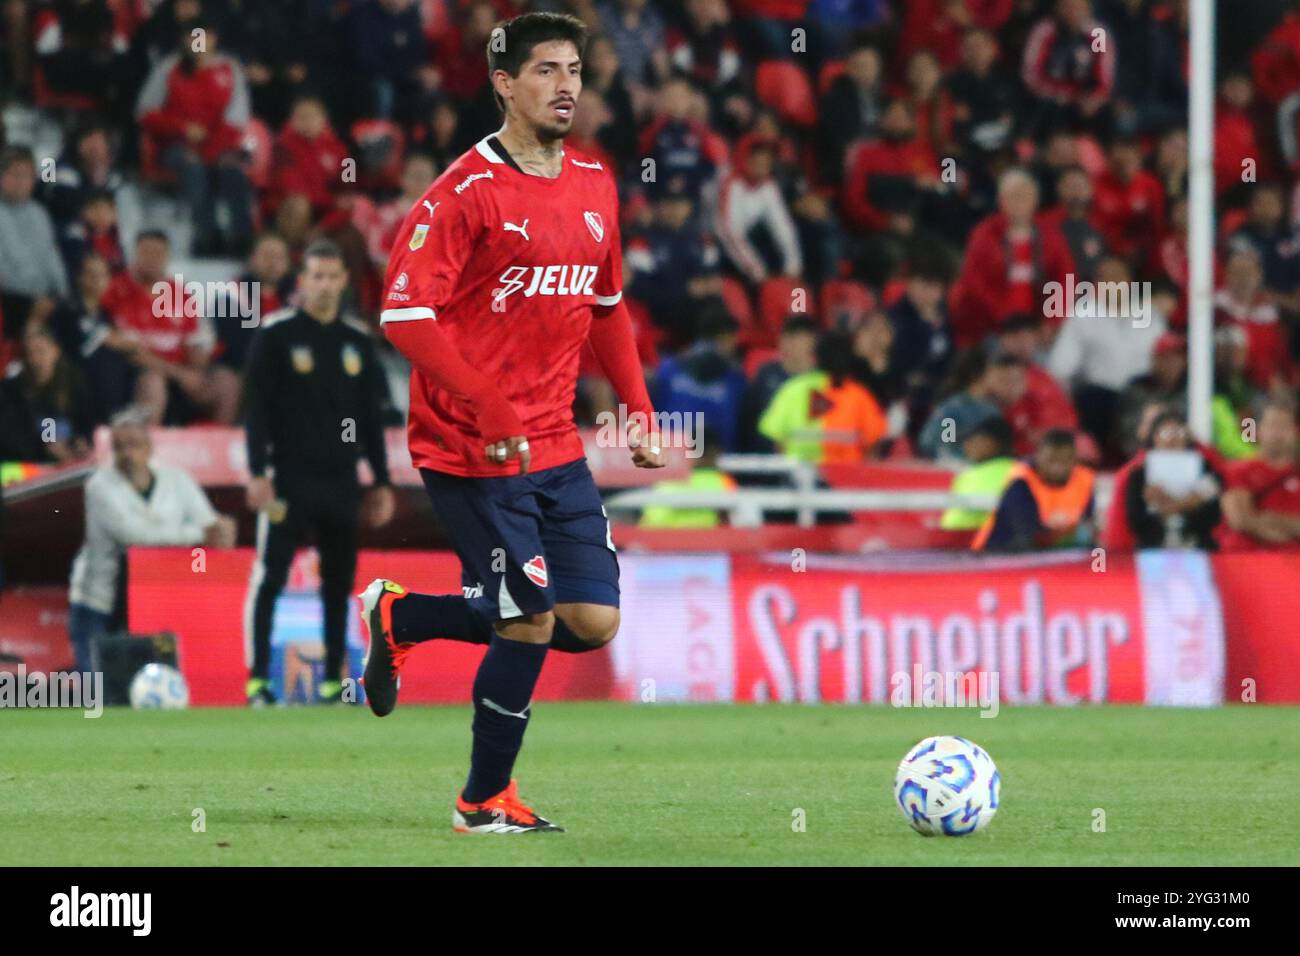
[
  {"x": 159, "y": 687},
  {"x": 947, "y": 786}
]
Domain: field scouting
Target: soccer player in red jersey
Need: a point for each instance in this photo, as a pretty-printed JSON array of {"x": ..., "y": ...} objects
[
  {"x": 501, "y": 272},
  {"x": 1261, "y": 497}
]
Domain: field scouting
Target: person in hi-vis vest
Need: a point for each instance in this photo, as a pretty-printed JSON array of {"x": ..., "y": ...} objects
[{"x": 1047, "y": 503}]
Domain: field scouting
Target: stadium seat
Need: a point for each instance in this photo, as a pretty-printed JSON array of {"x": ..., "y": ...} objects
[
  {"x": 785, "y": 87},
  {"x": 736, "y": 297},
  {"x": 777, "y": 299},
  {"x": 828, "y": 74},
  {"x": 48, "y": 99},
  {"x": 843, "y": 300}
]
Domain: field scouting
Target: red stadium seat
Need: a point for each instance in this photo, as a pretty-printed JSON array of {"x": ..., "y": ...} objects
[
  {"x": 736, "y": 297},
  {"x": 785, "y": 87},
  {"x": 828, "y": 74},
  {"x": 844, "y": 301},
  {"x": 778, "y": 297},
  {"x": 151, "y": 168},
  {"x": 48, "y": 99}
]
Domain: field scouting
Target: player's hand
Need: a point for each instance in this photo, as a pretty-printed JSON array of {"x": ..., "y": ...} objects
[
  {"x": 500, "y": 452},
  {"x": 379, "y": 506},
  {"x": 647, "y": 451},
  {"x": 260, "y": 493}
]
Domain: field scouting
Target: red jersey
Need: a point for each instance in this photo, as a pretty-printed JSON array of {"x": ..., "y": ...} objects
[
  {"x": 1271, "y": 487},
  {"x": 169, "y": 323},
  {"x": 509, "y": 265}
]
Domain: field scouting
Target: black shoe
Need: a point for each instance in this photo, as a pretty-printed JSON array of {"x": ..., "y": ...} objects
[{"x": 384, "y": 656}]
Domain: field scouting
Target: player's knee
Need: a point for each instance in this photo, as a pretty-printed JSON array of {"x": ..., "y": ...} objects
[
  {"x": 531, "y": 628},
  {"x": 595, "y": 625}
]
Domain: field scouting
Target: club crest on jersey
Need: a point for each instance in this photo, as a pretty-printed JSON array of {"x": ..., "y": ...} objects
[
  {"x": 351, "y": 360},
  {"x": 300, "y": 355},
  {"x": 417, "y": 236},
  {"x": 594, "y": 225},
  {"x": 535, "y": 568}
]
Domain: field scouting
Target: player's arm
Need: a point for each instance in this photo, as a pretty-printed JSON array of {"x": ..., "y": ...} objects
[
  {"x": 431, "y": 251},
  {"x": 259, "y": 392},
  {"x": 614, "y": 345}
]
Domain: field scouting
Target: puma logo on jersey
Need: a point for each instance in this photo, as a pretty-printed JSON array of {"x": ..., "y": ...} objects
[
  {"x": 432, "y": 208},
  {"x": 578, "y": 162},
  {"x": 511, "y": 227},
  {"x": 465, "y": 183},
  {"x": 546, "y": 280}
]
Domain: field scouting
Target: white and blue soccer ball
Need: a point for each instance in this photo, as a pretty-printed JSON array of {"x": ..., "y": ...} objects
[
  {"x": 159, "y": 687},
  {"x": 947, "y": 786}
]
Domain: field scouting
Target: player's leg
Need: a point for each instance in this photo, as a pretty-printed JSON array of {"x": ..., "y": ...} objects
[
  {"x": 583, "y": 563},
  {"x": 336, "y": 533},
  {"x": 276, "y": 543}
]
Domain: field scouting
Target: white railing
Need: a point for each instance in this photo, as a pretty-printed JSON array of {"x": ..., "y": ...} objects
[{"x": 745, "y": 507}]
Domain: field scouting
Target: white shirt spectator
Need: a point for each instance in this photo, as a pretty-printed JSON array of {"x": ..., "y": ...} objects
[
  {"x": 177, "y": 512},
  {"x": 1095, "y": 347},
  {"x": 743, "y": 205}
]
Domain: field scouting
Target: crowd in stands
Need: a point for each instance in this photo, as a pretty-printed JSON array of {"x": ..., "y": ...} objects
[{"x": 853, "y": 228}]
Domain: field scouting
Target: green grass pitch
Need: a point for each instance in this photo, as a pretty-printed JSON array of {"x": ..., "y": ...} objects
[{"x": 643, "y": 785}]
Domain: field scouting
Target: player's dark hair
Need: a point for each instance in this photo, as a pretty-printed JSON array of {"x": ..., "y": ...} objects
[
  {"x": 158, "y": 234},
  {"x": 322, "y": 249},
  {"x": 511, "y": 43}
]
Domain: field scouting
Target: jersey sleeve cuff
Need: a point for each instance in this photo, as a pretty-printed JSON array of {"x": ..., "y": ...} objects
[
  {"x": 407, "y": 315},
  {"x": 608, "y": 300}
]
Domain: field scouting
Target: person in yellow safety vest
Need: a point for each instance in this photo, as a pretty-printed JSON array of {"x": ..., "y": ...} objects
[
  {"x": 825, "y": 416},
  {"x": 1048, "y": 502},
  {"x": 704, "y": 476},
  {"x": 988, "y": 447}
]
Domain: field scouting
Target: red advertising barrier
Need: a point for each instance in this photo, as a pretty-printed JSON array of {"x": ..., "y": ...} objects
[
  {"x": 205, "y": 609},
  {"x": 1261, "y": 621}
]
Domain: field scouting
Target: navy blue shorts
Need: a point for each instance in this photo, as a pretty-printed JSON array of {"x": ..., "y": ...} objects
[{"x": 528, "y": 542}]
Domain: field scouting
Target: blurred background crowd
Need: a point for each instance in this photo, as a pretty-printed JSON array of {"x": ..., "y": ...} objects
[{"x": 874, "y": 193}]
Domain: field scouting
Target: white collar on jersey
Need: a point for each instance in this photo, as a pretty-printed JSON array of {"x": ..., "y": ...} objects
[{"x": 491, "y": 155}]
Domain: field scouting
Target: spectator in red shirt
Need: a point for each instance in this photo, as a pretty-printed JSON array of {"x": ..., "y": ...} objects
[
  {"x": 1044, "y": 404},
  {"x": 1261, "y": 501},
  {"x": 193, "y": 108},
  {"x": 1129, "y": 205},
  {"x": 174, "y": 380},
  {"x": 885, "y": 189},
  {"x": 308, "y": 159},
  {"x": 1069, "y": 66},
  {"x": 380, "y": 226},
  {"x": 940, "y": 25},
  {"x": 931, "y": 104},
  {"x": 1243, "y": 301},
  {"x": 1235, "y": 138},
  {"x": 1010, "y": 257}
]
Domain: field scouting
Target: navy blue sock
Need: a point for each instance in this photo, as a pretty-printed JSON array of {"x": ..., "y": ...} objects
[
  {"x": 564, "y": 640},
  {"x": 423, "y": 617},
  {"x": 503, "y": 689}
]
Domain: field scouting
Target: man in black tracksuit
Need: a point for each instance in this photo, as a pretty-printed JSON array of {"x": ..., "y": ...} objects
[{"x": 314, "y": 392}]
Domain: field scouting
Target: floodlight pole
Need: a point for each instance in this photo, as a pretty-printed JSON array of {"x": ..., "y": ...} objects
[{"x": 1200, "y": 221}]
